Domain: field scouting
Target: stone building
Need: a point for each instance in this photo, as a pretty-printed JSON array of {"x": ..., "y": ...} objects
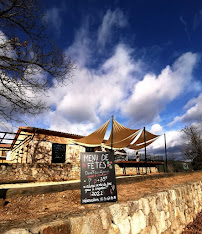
[
  {"x": 35, "y": 145},
  {"x": 4, "y": 148}
]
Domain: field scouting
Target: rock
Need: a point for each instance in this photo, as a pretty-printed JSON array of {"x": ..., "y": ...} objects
[
  {"x": 76, "y": 223},
  {"x": 163, "y": 221},
  {"x": 18, "y": 231},
  {"x": 134, "y": 206},
  {"x": 138, "y": 222},
  {"x": 172, "y": 195},
  {"x": 152, "y": 204},
  {"x": 56, "y": 229},
  {"x": 153, "y": 230},
  {"x": 104, "y": 218},
  {"x": 124, "y": 226},
  {"x": 91, "y": 224},
  {"x": 146, "y": 230},
  {"x": 113, "y": 229},
  {"x": 145, "y": 205},
  {"x": 119, "y": 213}
]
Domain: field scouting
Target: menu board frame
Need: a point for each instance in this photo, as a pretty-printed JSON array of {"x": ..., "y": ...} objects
[
  {"x": 56, "y": 159},
  {"x": 98, "y": 180}
]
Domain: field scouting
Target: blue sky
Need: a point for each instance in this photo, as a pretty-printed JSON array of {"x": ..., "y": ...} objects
[{"x": 137, "y": 60}]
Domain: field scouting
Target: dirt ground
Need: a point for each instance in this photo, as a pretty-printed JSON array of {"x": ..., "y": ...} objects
[
  {"x": 30, "y": 207},
  {"x": 195, "y": 227}
]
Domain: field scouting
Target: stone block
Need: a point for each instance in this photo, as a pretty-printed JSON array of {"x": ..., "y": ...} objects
[
  {"x": 146, "y": 230},
  {"x": 119, "y": 212},
  {"x": 124, "y": 226},
  {"x": 163, "y": 221},
  {"x": 91, "y": 224},
  {"x": 138, "y": 222},
  {"x": 18, "y": 231},
  {"x": 75, "y": 223},
  {"x": 159, "y": 204},
  {"x": 172, "y": 195},
  {"x": 104, "y": 215},
  {"x": 145, "y": 206},
  {"x": 153, "y": 230},
  {"x": 152, "y": 204},
  {"x": 56, "y": 229},
  {"x": 151, "y": 219},
  {"x": 113, "y": 229}
]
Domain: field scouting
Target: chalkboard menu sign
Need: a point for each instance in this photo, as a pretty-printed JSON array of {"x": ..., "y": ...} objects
[
  {"x": 58, "y": 153},
  {"x": 98, "y": 181}
]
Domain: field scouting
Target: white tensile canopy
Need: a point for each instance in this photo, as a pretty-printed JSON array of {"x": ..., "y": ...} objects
[
  {"x": 122, "y": 137},
  {"x": 145, "y": 138},
  {"x": 142, "y": 145},
  {"x": 95, "y": 138}
]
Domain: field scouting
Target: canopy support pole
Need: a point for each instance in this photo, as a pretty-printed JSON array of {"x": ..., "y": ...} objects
[
  {"x": 112, "y": 134},
  {"x": 166, "y": 153},
  {"x": 145, "y": 150}
]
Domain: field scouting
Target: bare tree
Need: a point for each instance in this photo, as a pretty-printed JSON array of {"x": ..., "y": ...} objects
[
  {"x": 29, "y": 60},
  {"x": 193, "y": 145}
]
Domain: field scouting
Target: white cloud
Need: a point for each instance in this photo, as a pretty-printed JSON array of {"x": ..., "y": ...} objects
[
  {"x": 174, "y": 145},
  {"x": 194, "y": 113},
  {"x": 93, "y": 94},
  {"x": 156, "y": 129},
  {"x": 185, "y": 27},
  {"x": 81, "y": 49},
  {"x": 197, "y": 20},
  {"x": 111, "y": 19},
  {"x": 53, "y": 18},
  {"x": 7, "y": 127},
  {"x": 111, "y": 86},
  {"x": 151, "y": 94},
  {"x": 5, "y": 47}
]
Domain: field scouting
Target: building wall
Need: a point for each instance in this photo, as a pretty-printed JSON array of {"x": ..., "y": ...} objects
[{"x": 38, "y": 149}]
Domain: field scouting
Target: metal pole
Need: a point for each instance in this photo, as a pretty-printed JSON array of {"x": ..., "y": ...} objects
[
  {"x": 166, "y": 153},
  {"x": 112, "y": 134},
  {"x": 145, "y": 151}
]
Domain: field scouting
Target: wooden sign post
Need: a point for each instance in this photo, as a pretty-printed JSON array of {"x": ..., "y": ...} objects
[{"x": 98, "y": 181}]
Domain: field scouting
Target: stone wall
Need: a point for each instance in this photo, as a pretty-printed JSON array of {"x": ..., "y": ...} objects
[
  {"x": 52, "y": 172},
  {"x": 134, "y": 170},
  {"x": 164, "y": 212},
  {"x": 39, "y": 172},
  {"x": 40, "y": 151}
]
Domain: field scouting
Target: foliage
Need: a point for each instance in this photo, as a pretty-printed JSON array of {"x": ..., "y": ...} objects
[
  {"x": 179, "y": 166},
  {"x": 29, "y": 60}
]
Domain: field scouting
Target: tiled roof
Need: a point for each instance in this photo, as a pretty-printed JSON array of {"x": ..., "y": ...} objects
[
  {"x": 5, "y": 146},
  {"x": 49, "y": 132}
]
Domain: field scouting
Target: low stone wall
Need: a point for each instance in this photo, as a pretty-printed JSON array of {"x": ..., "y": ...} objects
[
  {"x": 39, "y": 172},
  {"x": 51, "y": 172},
  {"x": 134, "y": 170},
  {"x": 164, "y": 212}
]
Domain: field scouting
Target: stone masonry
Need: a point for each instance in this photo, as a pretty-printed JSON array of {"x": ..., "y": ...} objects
[{"x": 164, "y": 212}]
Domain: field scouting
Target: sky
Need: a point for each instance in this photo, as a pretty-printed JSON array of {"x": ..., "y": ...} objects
[{"x": 138, "y": 60}]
